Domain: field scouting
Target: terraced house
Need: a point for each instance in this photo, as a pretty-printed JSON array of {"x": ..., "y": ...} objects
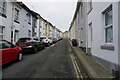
[
  {"x": 17, "y": 21},
  {"x": 97, "y": 28}
]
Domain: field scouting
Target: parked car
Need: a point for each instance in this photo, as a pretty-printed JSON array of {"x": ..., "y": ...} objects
[
  {"x": 30, "y": 44},
  {"x": 9, "y": 52},
  {"x": 54, "y": 40},
  {"x": 51, "y": 41},
  {"x": 47, "y": 40},
  {"x": 41, "y": 42}
]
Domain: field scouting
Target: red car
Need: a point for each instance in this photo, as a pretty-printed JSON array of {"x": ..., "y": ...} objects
[{"x": 9, "y": 52}]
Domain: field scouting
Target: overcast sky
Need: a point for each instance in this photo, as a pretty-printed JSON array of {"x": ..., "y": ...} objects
[{"x": 59, "y": 13}]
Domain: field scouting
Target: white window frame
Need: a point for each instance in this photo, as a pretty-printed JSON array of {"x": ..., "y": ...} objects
[
  {"x": 29, "y": 18},
  {"x": 17, "y": 15},
  {"x": 29, "y": 33},
  {"x": 2, "y": 34},
  {"x": 108, "y": 26},
  {"x": 3, "y": 7}
]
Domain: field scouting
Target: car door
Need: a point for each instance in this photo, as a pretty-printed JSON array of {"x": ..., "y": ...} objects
[
  {"x": 37, "y": 42},
  {"x": 8, "y": 52}
]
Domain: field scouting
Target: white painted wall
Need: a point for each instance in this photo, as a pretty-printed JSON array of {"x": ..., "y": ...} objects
[
  {"x": 7, "y": 22},
  {"x": 24, "y": 26},
  {"x": 96, "y": 17}
]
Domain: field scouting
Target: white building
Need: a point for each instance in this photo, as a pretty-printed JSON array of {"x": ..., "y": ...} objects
[
  {"x": 26, "y": 22},
  {"x": 42, "y": 27},
  {"x": 10, "y": 20},
  {"x": 103, "y": 34},
  {"x": 6, "y": 20}
]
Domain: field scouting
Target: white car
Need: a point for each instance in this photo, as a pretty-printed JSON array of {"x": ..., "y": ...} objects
[{"x": 47, "y": 40}]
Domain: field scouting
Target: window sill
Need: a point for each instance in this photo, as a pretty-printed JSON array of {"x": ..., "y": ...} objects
[
  {"x": 3, "y": 15},
  {"x": 17, "y": 21},
  {"x": 107, "y": 47}
]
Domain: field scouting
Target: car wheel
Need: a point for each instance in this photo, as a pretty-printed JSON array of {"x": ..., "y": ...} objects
[
  {"x": 20, "y": 56},
  {"x": 48, "y": 44},
  {"x": 35, "y": 50},
  {"x": 43, "y": 47}
]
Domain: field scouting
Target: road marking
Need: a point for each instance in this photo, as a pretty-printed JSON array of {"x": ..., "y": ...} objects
[
  {"x": 52, "y": 45},
  {"x": 77, "y": 70},
  {"x": 74, "y": 67}
]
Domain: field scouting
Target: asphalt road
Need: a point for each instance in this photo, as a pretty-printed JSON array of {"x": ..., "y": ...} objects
[{"x": 52, "y": 62}]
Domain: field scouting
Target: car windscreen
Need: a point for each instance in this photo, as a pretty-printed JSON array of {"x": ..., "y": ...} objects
[
  {"x": 49, "y": 38},
  {"x": 43, "y": 38},
  {"x": 24, "y": 39}
]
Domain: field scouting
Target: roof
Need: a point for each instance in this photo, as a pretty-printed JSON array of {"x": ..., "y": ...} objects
[{"x": 34, "y": 14}]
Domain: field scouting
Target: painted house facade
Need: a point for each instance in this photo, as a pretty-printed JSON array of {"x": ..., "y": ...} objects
[
  {"x": 103, "y": 32},
  {"x": 78, "y": 25},
  {"x": 97, "y": 29},
  {"x": 51, "y": 31},
  {"x": 65, "y": 34},
  {"x": 17, "y": 21},
  {"x": 26, "y": 22},
  {"x": 6, "y": 20},
  {"x": 72, "y": 30}
]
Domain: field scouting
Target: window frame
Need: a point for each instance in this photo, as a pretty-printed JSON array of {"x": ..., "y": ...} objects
[
  {"x": 28, "y": 18},
  {"x": 3, "y": 31},
  {"x": 108, "y": 26},
  {"x": 18, "y": 16},
  {"x": 3, "y": 7}
]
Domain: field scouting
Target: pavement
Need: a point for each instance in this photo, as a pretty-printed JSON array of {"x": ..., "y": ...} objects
[
  {"x": 94, "y": 70},
  {"x": 52, "y": 62}
]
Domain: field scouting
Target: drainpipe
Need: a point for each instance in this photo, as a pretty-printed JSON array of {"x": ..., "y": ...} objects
[
  {"x": 13, "y": 5},
  {"x": 86, "y": 31}
]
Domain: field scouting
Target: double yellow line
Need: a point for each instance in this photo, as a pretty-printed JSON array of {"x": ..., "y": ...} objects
[{"x": 77, "y": 70}]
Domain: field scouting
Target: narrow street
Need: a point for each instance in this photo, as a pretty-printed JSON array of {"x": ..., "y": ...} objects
[{"x": 52, "y": 62}]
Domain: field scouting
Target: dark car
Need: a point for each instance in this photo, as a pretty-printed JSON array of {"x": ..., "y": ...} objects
[
  {"x": 9, "y": 52},
  {"x": 30, "y": 44}
]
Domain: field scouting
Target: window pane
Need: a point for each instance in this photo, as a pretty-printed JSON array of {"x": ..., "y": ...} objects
[
  {"x": 16, "y": 14},
  {"x": 2, "y": 7},
  {"x": 16, "y": 18},
  {"x": 2, "y": 4},
  {"x": 108, "y": 18},
  {"x": 1, "y": 30},
  {"x": 109, "y": 34}
]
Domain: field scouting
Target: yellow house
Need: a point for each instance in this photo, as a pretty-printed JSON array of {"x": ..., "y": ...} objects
[
  {"x": 73, "y": 36},
  {"x": 72, "y": 30},
  {"x": 47, "y": 29}
]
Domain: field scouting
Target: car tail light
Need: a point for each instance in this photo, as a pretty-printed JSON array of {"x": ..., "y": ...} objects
[
  {"x": 29, "y": 43},
  {"x": 46, "y": 39}
]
